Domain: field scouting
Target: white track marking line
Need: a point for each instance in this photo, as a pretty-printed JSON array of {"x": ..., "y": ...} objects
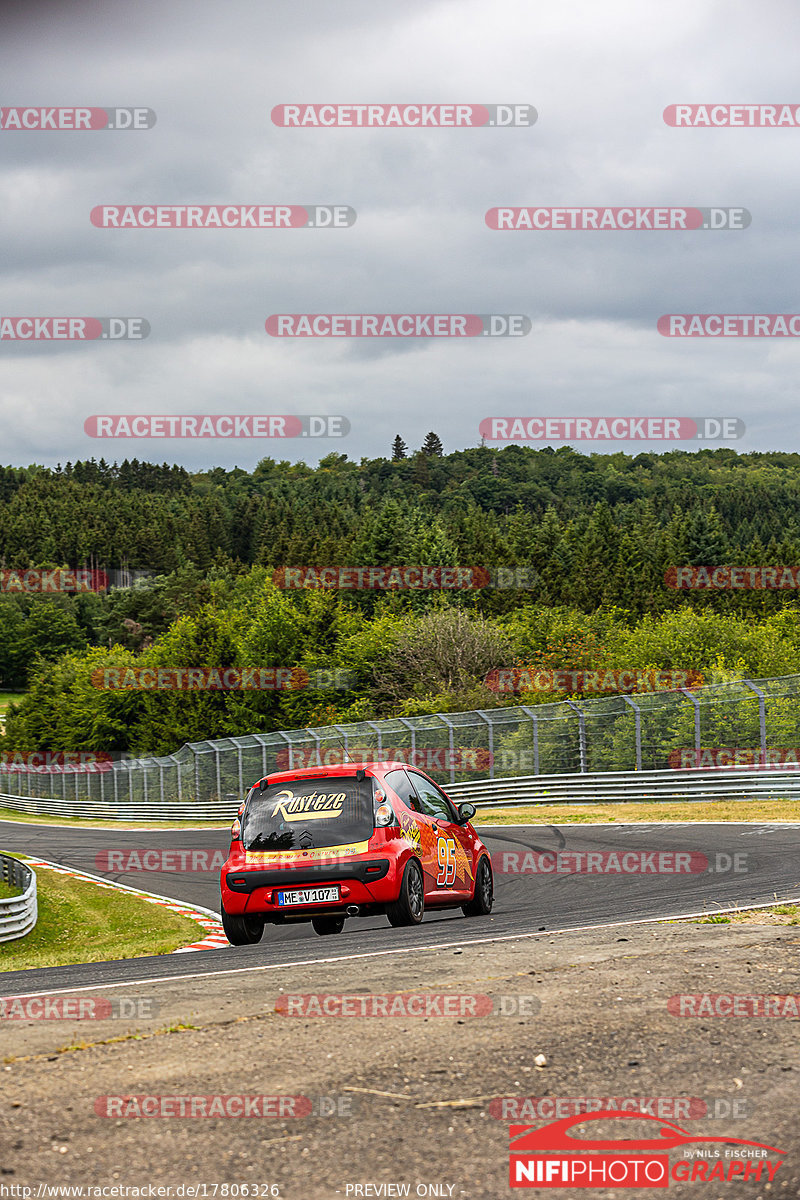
[
  {"x": 627, "y": 825},
  {"x": 347, "y": 958}
]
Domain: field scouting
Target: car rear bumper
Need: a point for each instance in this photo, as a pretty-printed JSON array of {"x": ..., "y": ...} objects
[
  {"x": 366, "y": 883},
  {"x": 364, "y": 871}
]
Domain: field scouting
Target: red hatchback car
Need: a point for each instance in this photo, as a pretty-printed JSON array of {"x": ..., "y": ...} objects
[{"x": 326, "y": 843}]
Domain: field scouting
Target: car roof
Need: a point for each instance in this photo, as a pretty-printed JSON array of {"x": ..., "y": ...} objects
[{"x": 340, "y": 769}]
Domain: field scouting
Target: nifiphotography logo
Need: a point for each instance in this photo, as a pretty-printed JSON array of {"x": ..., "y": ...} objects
[{"x": 552, "y": 1157}]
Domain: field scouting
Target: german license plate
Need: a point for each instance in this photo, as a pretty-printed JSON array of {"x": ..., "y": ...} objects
[{"x": 319, "y": 895}]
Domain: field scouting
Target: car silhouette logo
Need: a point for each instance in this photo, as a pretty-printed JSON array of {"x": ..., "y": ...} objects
[{"x": 525, "y": 1139}]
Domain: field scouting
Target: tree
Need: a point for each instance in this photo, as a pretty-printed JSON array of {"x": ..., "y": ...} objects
[
  {"x": 399, "y": 449},
  {"x": 433, "y": 445},
  {"x": 446, "y": 650}
]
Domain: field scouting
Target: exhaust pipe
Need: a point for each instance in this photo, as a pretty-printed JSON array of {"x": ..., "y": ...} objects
[{"x": 352, "y": 910}]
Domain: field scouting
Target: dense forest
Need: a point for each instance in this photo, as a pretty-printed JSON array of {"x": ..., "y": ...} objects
[{"x": 596, "y": 532}]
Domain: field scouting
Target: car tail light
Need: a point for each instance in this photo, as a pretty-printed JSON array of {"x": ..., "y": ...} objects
[
  {"x": 236, "y": 830},
  {"x": 384, "y": 816}
]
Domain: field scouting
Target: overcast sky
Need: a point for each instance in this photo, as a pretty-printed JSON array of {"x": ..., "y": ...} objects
[{"x": 599, "y": 77}]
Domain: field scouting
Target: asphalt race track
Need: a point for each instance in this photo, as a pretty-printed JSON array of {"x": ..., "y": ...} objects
[{"x": 746, "y": 864}]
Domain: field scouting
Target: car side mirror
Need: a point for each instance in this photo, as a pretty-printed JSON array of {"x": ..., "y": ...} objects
[{"x": 465, "y": 813}]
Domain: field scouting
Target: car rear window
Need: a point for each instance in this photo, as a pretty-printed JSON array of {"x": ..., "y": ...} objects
[{"x": 309, "y": 813}]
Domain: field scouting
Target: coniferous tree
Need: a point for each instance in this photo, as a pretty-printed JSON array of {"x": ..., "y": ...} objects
[
  {"x": 433, "y": 445},
  {"x": 399, "y": 449}
]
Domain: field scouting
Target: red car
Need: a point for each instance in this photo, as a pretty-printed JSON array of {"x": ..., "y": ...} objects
[{"x": 326, "y": 843}]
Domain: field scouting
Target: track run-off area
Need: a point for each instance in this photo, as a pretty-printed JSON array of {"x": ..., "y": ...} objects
[{"x": 606, "y": 875}]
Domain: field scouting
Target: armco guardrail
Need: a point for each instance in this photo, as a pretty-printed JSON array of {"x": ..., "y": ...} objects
[
  {"x": 19, "y": 914},
  {"x": 722, "y": 783},
  {"x": 54, "y": 806}
]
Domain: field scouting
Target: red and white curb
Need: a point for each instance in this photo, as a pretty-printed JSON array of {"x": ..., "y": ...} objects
[{"x": 215, "y": 938}]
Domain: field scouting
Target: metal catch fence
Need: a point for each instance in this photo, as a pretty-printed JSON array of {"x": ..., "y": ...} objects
[{"x": 736, "y": 724}]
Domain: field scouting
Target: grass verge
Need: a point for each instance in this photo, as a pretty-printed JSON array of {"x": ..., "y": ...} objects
[
  {"x": 7, "y": 891},
  {"x": 625, "y": 814},
  {"x": 80, "y": 922},
  {"x": 779, "y": 914}
]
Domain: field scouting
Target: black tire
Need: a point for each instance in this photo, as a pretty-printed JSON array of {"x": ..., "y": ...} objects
[
  {"x": 244, "y": 930},
  {"x": 325, "y": 925},
  {"x": 483, "y": 896},
  {"x": 409, "y": 907}
]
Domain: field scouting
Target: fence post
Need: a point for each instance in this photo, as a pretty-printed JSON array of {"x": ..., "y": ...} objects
[
  {"x": 263, "y": 746},
  {"x": 696, "y": 704},
  {"x": 379, "y": 731},
  {"x": 762, "y": 718},
  {"x": 449, "y": 725},
  {"x": 408, "y": 725},
  {"x": 219, "y": 777},
  {"x": 196, "y": 754},
  {"x": 288, "y": 741},
  {"x": 638, "y": 719},
  {"x": 534, "y": 717},
  {"x": 581, "y": 732},
  {"x": 482, "y": 714}
]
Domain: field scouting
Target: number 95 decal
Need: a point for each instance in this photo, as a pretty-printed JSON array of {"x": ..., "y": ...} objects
[{"x": 446, "y": 854}]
